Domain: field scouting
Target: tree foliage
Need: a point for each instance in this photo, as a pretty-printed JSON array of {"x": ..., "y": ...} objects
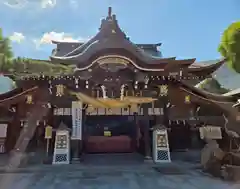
[
  {"x": 230, "y": 46},
  {"x": 5, "y": 47},
  {"x": 212, "y": 85},
  {"x": 30, "y": 67}
]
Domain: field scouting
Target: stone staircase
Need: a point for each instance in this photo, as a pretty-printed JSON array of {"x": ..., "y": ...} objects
[{"x": 113, "y": 159}]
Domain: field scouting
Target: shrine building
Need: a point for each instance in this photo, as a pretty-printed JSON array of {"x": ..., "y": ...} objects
[{"x": 110, "y": 94}]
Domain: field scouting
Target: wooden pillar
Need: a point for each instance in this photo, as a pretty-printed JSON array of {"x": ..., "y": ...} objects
[
  {"x": 135, "y": 141},
  {"x": 50, "y": 122},
  {"x": 13, "y": 130},
  {"x": 165, "y": 111},
  {"x": 146, "y": 127}
]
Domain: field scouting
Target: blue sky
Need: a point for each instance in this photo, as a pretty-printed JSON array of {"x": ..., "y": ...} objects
[{"x": 186, "y": 28}]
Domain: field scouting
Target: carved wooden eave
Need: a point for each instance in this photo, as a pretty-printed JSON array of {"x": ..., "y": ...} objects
[
  {"x": 235, "y": 92},
  {"x": 205, "y": 94},
  {"x": 112, "y": 41},
  {"x": 228, "y": 106},
  {"x": 69, "y": 44},
  {"x": 205, "y": 70},
  {"x": 149, "y": 46},
  {"x": 17, "y": 95},
  {"x": 142, "y": 45},
  {"x": 107, "y": 46},
  {"x": 237, "y": 105},
  {"x": 57, "y": 42},
  {"x": 178, "y": 64},
  {"x": 132, "y": 61}
]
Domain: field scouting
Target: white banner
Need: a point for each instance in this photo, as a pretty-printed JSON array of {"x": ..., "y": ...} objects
[
  {"x": 3, "y": 130},
  {"x": 76, "y": 120}
]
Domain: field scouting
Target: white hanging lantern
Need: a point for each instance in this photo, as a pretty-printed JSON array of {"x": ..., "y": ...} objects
[{"x": 76, "y": 82}]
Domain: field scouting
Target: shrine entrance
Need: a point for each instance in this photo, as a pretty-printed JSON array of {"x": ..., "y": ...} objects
[{"x": 110, "y": 134}]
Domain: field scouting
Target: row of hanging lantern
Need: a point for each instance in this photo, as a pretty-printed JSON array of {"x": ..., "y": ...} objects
[
  {"x": 146, "y": 81},
  {"x": 38, "y": 122},
  {"x": 170, "y": 76},
  {"x": 60, "y": 87},
  {"x": 181, "y": 122},
  {"x": 177, "y": 122},
  {"x": 163, "y": 90},
  {"x": 176, "y": 77},
  {"x": 43, "y": 77}
]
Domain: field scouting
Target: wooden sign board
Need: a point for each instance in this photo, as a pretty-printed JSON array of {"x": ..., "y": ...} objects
[
  {"x": 107, "y": 133},
  {"x": 48, "y": 132},
  {"x": 112, "y": 60}
]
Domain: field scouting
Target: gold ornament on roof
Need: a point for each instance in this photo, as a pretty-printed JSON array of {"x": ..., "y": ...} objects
[
  {"x": 29, "y": 99},
  {"x": 163, "y": 90},
  {"x": 187, "y": 99},
  {"x": 60, "y": 90}
]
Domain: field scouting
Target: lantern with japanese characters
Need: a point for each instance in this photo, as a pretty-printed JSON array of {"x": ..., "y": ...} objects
[
  {"x": 161, "y": 153},
  {"x": 163, "y": 89},
  {"x": 62, "y": 147},
  {"x": 187, "y": 99},
  {"x": 29, "y": 99},
  {"x": 60, "y": 90}
]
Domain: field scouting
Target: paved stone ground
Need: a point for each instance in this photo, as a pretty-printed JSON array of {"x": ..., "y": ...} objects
[
  {"x": 107, "y": 172},
  {"x": 171, "y": 176}
]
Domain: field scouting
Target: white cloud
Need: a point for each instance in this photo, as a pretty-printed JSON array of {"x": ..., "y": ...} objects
[
  {"x": 17, "y": 37},
  {"x": 48, "y": 3},
  {"x": 15, "y": 3},
  {"x": 48, "y": 37},
  {"x": 74, "y": 4},
  {"x": 23, "y": 3}
]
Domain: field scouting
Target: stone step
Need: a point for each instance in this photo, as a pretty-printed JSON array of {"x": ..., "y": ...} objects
[{"x": 113, "y": 159}]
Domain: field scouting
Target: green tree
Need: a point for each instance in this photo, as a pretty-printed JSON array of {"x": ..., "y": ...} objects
[
  {"x": 230, "y": 46},
  {"x": 6, "y": 53},
  {"x": 212, "y": 85},
  {"x": 5, "y": 47}
]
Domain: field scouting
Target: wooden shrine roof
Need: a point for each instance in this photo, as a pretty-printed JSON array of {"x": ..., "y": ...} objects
[
  {"x": 15, "y": 96},
  {"x": 109, "y": 43},
  {"x": 235, "y": 92},
  {"x": 111, "y": 40}
]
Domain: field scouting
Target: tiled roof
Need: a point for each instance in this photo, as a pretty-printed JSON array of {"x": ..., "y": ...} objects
[
  {"x": 226, "y": 77},
  {"x": 233, "y": 92}
]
